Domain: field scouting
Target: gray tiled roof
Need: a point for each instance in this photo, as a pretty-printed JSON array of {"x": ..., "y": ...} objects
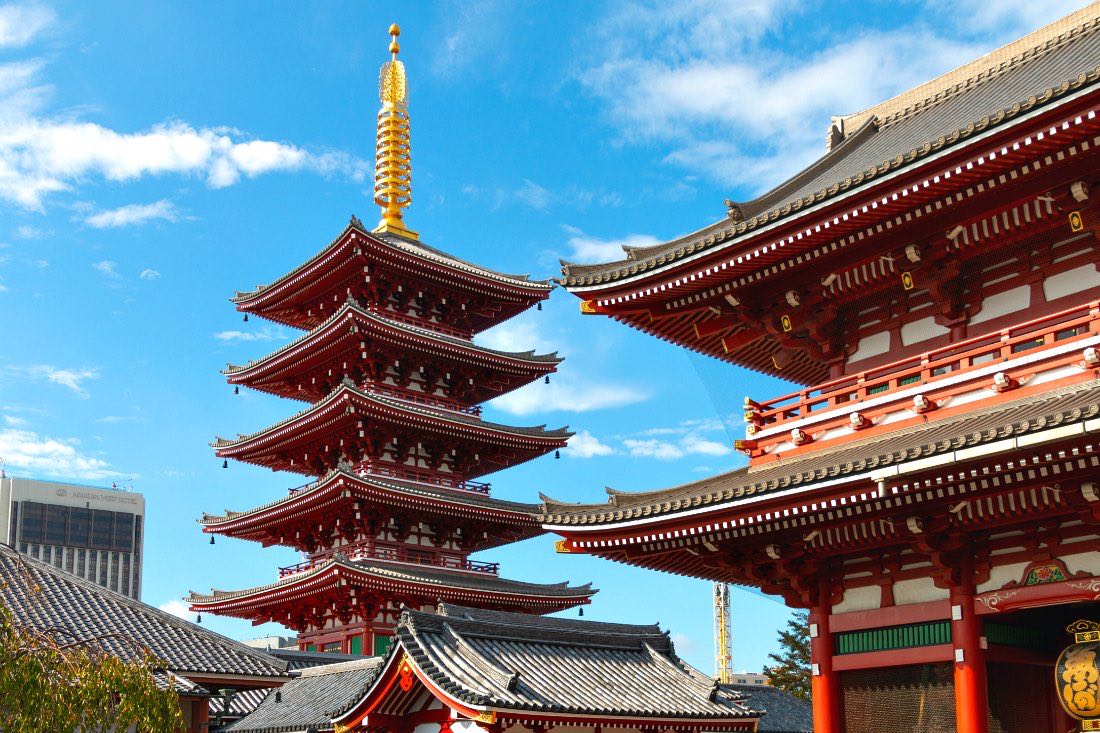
[
  {"x": 1063, "y": 406},
  {"x": 313, "y": 699},
  {"x": 1056, "y": 67},
  {"x": 64, "y": 601},
  {"x": 510, "y": 661},
  {"x": 245, "y": 701},
  {"x": 784, "y": 713}
]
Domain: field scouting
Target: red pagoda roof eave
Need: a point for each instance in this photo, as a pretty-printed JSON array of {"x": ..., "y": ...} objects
[
  {"x": 323, "y": 494},
  {"x": 313, "y": 581},
  {"x": 252, "y": 300},
  {"x": 332, "y": 330},
  {"x": 344, "y": 393},
  {"x": 641, "y": 299}
]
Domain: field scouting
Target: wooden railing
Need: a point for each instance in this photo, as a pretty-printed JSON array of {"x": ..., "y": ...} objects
[
  {"x": 408, "y": 555},
  {"x": 419, "y": 322},
  {"x": 420, "y": 398},
  {"x": 424, "y": 476},
  {"x": 934, "y": 374}
]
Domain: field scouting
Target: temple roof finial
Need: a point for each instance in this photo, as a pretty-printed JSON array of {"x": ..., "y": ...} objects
[{"x": 392, "y": 164}]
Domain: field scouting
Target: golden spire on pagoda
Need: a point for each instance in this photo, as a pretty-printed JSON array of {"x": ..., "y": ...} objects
[{"x": 392, "y": 163}]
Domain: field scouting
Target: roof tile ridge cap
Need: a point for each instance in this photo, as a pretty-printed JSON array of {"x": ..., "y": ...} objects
[
  {"x": 142, "y": 607},
  {"x": 340, "y": 312},
  {"x": 349, "y": 665},
  {"x": 431, "y": 252},
  {"x": 502, "y": 678},
  {"x": 672, "y": 663},
  {"x": 685, "y": 239},
  {"x": 1045, "y": 38},
  {"x": 332, "y": 396}
]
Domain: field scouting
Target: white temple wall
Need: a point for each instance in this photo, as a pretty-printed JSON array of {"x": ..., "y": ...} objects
[
  {"x": 918, "y": 590},
  {"x": 1071, "y": 281},
  {"x": 859, "y": 599},
  {"x": 1001, "y": 304}
]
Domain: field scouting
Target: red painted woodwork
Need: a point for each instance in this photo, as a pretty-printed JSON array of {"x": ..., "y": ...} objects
[
  {"x": 911, "y": 613},
  {"x": 825, "y": 684},
  {"x": 894, "y": 658},
  {"x": 971, "y": 693}
]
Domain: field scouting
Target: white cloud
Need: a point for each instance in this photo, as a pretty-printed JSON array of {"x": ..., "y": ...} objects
[
  {"x": 20, "y": 23},
  {"x": 586, "y": 445},
  {"x": 149, "y": 274},
  {"x": 41, "y": 155},
  {"x": 584, "y": 248},
  {"x": 54, "y": 457},
  {"x": 266, "y": 333},
  {"x": 534, "y": 195},
  {"x": 566, "y": 394},
  {"x": 689, "y": 438},
  {"x": 28, "y": 232},
  {"x": 653, "y": 448},
  {"x": 108, "y": 268},
  {"x": 13, "y": 421},
  {"x": 132, "y": 214},
  {"x": 696, "y": 75},
  {"x": 517, "y": 334},
  {"x": 72, "y": 379},
  {"x": 178, "y": 608}
]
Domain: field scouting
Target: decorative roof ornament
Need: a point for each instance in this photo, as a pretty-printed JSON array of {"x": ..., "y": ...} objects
[{"x": 392, "y": 164}]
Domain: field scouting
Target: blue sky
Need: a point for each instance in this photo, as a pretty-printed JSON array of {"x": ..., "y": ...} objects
[{"x": 155, "y": 159}]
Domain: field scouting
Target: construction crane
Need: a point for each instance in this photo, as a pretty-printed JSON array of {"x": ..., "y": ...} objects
[{"x": 723, "y": 635}]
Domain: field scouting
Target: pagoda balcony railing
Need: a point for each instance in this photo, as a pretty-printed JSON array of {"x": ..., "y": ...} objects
[
  {"x": 419, "y": 398},
  {"x": 411, "y": 475},
  {"x": 407, "y": 555},
  {"x": 421, "y": 323},
  {"x": 1000, "y": 360},
  {"x": 424, "y": 476}
]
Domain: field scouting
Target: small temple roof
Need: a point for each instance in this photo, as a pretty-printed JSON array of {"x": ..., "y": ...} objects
[
  {"x": 512, "y": 661},
  {"x": 783, "y": 712},
  {"x": 407, "y": 246},
  {"x": 1065, "y": 406},
  {"x": 313, "y": 699},
  {"x": 449, "y": 496},
  {"x": 427, "y": 577},
  {"x": 44, "y": 597},
  {"x": 1040, "y": 69}
]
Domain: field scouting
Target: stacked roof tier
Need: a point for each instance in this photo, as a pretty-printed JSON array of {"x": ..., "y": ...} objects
[{"x": 394, "y": 439}]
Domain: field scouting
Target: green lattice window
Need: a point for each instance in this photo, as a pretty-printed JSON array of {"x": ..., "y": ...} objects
[
  {"x": 893, "y": 637},
  {"x": 381, "y": 645}
]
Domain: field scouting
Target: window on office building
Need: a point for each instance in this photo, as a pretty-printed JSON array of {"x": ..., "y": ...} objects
[
  {"x": 101, "y": 529},
  {"x": 101, "y": 576},
  {"x": 32, "y": 522},
  {"x": 80, "y": 525},
  {"x": 126, "y": 575},
  {"x": 123, "y": 537},
  {"x": 57, "y": 524}
]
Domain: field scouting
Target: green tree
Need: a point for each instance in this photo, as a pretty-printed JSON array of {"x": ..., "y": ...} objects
[
  {"x": 791, "y": 671},
  {"x": 51, "y": 679}
]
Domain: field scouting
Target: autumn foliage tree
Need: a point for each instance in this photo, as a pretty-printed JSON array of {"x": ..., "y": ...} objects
[
  {"x": 791, "y": 671},
  {"x": 52, "y": 679}
]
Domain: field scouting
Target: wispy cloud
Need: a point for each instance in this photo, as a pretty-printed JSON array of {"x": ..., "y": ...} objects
[
  {"x": 178, "y": 608},
  {"x": 107, "y": 268},
  {"x": 21, "y": 23},
  {"x": 41, "y": 154},
  {"x": 149, "y": 274},
  {"x": 14, "y": 421},
  {"x": 586, "y": 445},
  {"x": 133, "y": 214},
  {"x": 584, "y": 248},
  {"x": 72, "y": 379},
  {"x": 53, "y": 457},
  {"x": 694, "y": 76},
  {"x": 265, "y": 333},
  {"x": 534, "y": 195}
]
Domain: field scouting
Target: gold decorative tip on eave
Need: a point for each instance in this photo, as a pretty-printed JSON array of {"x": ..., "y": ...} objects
[
  {"x": 588, "y": 306},
  {"x": 393, "y": 151}
]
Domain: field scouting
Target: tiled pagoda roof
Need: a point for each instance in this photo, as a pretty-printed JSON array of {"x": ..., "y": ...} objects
[
  {"x": 285, "y": 360},
  {"x": 313, "y": 699},
  {"x": 515, "y": 662},
  {"x": 431, "y": 582},
  {"x": 1039, "y": 70},
  {"x": 783, "y": 712},
  {"x": 431, "y": 500},
  {"x": 42, "y": 596},
  {"x": 1068, "y": 406}
]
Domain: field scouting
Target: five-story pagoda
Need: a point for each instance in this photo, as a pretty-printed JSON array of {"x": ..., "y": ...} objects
[{"x": 392, "y": 433}]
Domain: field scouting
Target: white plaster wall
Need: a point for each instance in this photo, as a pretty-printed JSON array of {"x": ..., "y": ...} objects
[
  {"x": 859, "y": 599},
  {"x": 1001, "y": 575},
  {"x": 1071, "y": 281},
  {"x": 922, "y": 330},
  {"x": 459, "y": 726},
  {"x": 1002, "y": 304},
  {"x": 1089, "y": 562},
  {"x": 873, "y": 345},
  {"x": 918, "y": 590}
]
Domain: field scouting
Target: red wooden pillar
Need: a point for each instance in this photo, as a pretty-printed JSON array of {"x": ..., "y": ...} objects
[
  {"x": 825, "y": 686},
  {"x": 971, "y": 690}
]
